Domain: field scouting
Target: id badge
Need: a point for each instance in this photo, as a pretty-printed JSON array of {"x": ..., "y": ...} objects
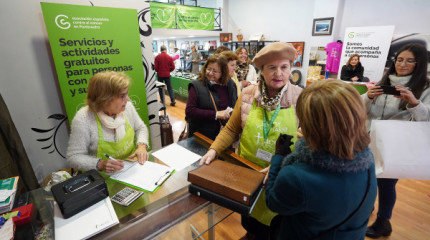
[{"x": 264, "y": 155}]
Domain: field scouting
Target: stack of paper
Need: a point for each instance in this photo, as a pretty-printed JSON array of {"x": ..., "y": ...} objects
[
  {"x": 7, "y": 193},
  {"x": 87, "y": 223},
  {"x": 176, "y": 156}
]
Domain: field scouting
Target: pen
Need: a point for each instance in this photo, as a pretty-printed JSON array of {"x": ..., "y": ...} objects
[
  {"x": 161, "y": 177},
  {"x": 111, "y": 158}
]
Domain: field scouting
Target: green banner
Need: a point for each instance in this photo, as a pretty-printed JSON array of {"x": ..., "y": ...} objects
[
  {"x": 86, "y": 40},
  {"x": 162, "y": 15},
  {"x": 195, "y": 18}
]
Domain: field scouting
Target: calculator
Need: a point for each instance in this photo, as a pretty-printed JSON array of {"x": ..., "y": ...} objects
[{"x": 126, "y": 196}]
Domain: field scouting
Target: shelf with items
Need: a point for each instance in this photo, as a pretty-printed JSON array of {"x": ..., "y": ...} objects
[{"x": 252, "y": 46}]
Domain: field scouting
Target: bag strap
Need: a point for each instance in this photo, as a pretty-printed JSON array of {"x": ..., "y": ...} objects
[
  {"x": 351, "y": 215},
  {"x": 216, "y": 109}
]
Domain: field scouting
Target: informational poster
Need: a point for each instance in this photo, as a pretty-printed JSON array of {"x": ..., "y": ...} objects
[
  {"x": 196, "y": 18},
  {"x": 372, "y": 44},
  {"x": 163, "y": 15},
  {"x": 86, "y": 40}
]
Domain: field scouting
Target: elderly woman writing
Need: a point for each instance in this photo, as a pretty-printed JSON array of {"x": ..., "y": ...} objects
[
  {"x": 261, "y": 113},
  {"x": 108, "y": 125},
  {"x": 330, "y": 178},
  {"x": 210, "y": 97}
]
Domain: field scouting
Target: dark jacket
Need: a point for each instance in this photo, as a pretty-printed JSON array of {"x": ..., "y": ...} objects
[
  {"x": 208, "y": 127},
  {"x": 348, "y": 72},
  {"x": 314, "y": 191},
  {"x": 164, "y": 65}
]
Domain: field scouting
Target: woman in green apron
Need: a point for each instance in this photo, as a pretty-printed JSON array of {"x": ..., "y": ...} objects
[
  {"x": 108, "y": 126},
  {"x": 261, "y": 113}
]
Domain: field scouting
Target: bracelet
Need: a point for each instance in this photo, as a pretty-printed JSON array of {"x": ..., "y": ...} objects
[{"x": 97, "y": 165}]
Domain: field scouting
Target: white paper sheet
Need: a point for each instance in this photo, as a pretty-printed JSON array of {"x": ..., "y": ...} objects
[
  {"x": 176, "y": 156},
  {"x": 87, "y": 223},
  {"x": 147, "y": 176},
  {"x": 404, "y": 148}
]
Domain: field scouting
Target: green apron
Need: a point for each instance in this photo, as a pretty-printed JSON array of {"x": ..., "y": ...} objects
[
  {"x": 118, "y": 150},
  {"x": 255, "y": 148}
]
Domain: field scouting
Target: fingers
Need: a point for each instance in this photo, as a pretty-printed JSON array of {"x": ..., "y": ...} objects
[
  {"x": 113, "y": 166},
  {"x": 208, "y": 157},
  {"x": 374, "y": 91}
]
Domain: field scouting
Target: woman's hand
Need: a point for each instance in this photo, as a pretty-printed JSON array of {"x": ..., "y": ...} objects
[
  {"x": 141, "y": 154},
  {"x": 407, "y": 95},
  {"x": 355, "y": 79},
  {"x": 266, "y": 172},
  {"x": 208, "y": 157},
  {"x": 110, "y": 166},
  {"x": 374, "y": 91},
  {"x": 224, "y": 115}
]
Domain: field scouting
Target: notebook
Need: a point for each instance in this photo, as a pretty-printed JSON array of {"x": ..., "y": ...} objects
[{"x": 87, "y": 223}]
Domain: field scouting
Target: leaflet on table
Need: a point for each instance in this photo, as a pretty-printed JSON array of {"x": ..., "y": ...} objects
[
  {"x": 87, "y": 223},
  {"x": 9, "y": 184},
  {"x": 176, "y": 156},
  {"x": 147, "y": 177}
]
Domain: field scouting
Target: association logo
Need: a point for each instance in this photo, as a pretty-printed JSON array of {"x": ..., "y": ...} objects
[
  {"x": 351, "y": 35},
  {"x": 62, "y": 22},
  {"x": 206, "y": 18}
]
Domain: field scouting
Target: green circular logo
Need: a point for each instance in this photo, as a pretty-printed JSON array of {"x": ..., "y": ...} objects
[{"x": 351, "y": 35}]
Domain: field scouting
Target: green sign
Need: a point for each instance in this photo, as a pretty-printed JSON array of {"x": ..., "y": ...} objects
[
  {"x": 162, "y": 15},
  {"x": 180, "y": 85},
  {"x": 195, "y": 18},
  {"x": 86, "y": 40}
]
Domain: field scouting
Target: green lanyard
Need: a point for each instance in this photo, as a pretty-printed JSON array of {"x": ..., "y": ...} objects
[{"x": 266, "y": 129}]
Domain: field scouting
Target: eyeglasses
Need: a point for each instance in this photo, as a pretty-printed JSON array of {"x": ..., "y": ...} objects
[
  {"x": 209, "y": 70},
  {"x": 408, "y": 62}
]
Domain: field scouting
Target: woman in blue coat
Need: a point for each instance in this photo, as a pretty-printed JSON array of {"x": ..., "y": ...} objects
[{"x": 331, "y": 173}]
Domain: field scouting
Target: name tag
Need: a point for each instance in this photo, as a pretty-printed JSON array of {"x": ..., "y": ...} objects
[{"x": 264, "y": 155}]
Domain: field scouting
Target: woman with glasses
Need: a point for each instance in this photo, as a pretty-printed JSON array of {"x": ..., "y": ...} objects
[
  {"x": 109, "y": 124},
  {"x": 352, "y": 70},
  {"x": 261, "y": 113},
  {"x": 211, "y": 98},
  {"x": 408, "y": 73},
  {"x": 246, "y": 73}
]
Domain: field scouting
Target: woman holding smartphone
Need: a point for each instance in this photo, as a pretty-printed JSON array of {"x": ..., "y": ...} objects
[{"x": 408, "y": 74}]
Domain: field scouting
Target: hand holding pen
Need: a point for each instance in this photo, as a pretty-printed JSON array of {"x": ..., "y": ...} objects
[{"x": 110, "y": 165}]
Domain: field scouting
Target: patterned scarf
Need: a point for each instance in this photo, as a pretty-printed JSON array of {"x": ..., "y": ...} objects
[
  {"x": 267, "y": 102},
  {"x": 242, "y": 71}
]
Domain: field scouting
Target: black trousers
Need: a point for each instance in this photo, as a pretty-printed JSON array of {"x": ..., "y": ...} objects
[{"x": 166, "y": 80}]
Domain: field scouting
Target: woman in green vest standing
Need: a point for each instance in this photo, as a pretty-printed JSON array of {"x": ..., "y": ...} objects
[
  {"x": 261, "y": 113},
  {"x": 108, "y": 125}
]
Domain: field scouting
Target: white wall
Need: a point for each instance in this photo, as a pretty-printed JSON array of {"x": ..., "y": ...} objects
[
  {"x": 287, "y": 21},
  {"x": 411, "y": 16},
  {"x": 29, "y": 85}
]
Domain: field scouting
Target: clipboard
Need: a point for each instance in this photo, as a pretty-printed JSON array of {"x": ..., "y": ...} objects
[{"x": 147, "y": 177}]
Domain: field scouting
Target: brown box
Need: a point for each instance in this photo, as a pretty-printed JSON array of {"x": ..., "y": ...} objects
[{"x": 232, "y": 181}]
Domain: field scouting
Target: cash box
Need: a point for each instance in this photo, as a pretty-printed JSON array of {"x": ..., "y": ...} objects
[{"x": 80, "y": 192}]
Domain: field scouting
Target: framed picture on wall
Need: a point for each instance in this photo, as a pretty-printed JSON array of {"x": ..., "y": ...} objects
[
  {"x": 298, "y": 60},
  {"x": 322, "y": 26},
  {"x": 225, "y": 37}
]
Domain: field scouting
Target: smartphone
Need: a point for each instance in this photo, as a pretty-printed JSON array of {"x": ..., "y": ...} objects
[{"x": 390, "y": 90}]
